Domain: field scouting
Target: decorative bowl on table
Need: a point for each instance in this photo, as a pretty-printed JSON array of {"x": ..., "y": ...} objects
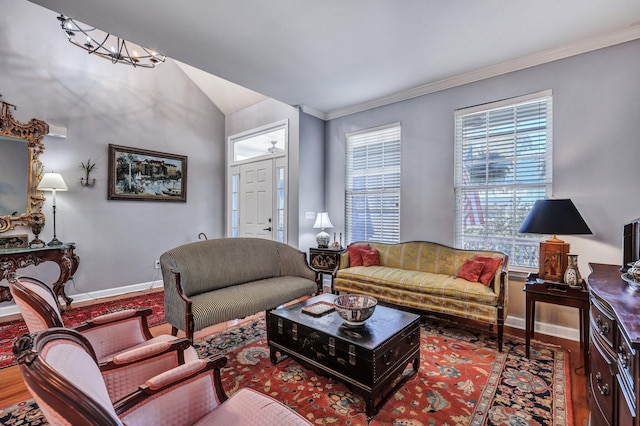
[
  {"x": 633, "y": 276},
  {"x": 355, "y": 309}
]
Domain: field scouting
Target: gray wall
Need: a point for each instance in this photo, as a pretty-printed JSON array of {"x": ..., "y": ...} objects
[
  {"x": 101, "y": 103},
  {"x": 596, "y": 105},
  {"x": 312, "y": 166}
]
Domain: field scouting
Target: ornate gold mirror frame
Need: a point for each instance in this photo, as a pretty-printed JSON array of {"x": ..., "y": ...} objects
[{"x": 32, "y": 132}]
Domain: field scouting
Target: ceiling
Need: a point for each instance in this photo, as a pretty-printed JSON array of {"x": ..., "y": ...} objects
[{"x": 336, "y": 57}]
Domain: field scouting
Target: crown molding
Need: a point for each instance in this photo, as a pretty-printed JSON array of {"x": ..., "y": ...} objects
[
  {"x": 313, "y": 112},
  {"x": 572, "y": 49}
]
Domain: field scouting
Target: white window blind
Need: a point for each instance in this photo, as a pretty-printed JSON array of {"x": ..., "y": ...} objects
[
  {"x": 503, "y": 164},
  {"x": 372, "y": 187}
]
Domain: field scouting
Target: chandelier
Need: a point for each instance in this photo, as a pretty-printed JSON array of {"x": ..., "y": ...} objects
[{"x": 108, "y": 46}]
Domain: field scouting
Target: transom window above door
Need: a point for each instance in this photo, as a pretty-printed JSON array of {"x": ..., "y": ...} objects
[{"x": 267, "y": 142}]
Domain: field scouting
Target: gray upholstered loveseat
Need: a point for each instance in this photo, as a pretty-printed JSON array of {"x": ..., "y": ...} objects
[{"x": 209, "y": 282}]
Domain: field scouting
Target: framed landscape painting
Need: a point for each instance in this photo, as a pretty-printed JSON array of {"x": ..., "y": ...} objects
[{"x": 145, "y": 175}]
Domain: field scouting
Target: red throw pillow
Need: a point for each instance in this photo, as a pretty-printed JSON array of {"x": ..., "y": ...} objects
[
  {"x": 370, "y": 257},
  {"x": 471, "y": 270},
  {"x": 355, "y": 254},
  {"x": 491, "y": 265}
]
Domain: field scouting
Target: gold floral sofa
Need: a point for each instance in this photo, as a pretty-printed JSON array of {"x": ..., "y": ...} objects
[{"x": 427, "y": 276}]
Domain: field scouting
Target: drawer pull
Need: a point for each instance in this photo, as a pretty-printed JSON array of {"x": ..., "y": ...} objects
[
  {"x": 623, "y": 356},
  {"x": 411, "y": 338},
  {"x": 604, "y": 389},
  {"x": 603, "y": 329},
  {"x": 386, "y": 358}
]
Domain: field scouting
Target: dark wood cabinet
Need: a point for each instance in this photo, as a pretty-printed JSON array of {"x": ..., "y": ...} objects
[
  {"x": 614, "y": 317},
  {"x": 325, "y": 261}
]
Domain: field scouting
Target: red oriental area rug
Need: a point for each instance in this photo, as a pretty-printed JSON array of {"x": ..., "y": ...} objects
[
  {"x": 463, "y": 380},
  {"x": 74, "y": 316}
]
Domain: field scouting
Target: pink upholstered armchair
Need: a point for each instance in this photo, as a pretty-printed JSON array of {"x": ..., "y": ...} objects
[
  {"x": 61, "y": 372},
  {"x": 126, "y": 351}
]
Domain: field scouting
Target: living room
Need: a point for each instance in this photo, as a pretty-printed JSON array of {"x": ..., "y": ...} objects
[{"x": 595, "y": 107}]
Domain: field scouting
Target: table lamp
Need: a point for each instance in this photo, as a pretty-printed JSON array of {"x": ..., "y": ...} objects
[
  {"x": 552, "y": 217},
  {"x": 53, "y": 182},
  {"x": 322, "y": 222}
]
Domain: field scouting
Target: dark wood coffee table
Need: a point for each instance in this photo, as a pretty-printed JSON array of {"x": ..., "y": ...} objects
[{"x": 368, "y": 358}]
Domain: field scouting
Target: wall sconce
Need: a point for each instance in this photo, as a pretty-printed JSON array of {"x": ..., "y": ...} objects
[{"x": 87, "y": 169}]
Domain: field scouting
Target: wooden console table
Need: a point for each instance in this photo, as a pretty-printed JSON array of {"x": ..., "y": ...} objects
[
  {"x": 538, "y": 290},
  {"x": 14, "y": 259}
]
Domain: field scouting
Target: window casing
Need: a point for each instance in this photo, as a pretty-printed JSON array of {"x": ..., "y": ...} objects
[
  {"x": 503, "y": 164},
  {"x": 372, "y": 187},
  {"x": 280, "y": 199},
  {"x": 235, "y": 213}
]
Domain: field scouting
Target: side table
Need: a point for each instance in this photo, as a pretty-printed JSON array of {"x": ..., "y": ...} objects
[
  {"x": 325, "y": 261},
  {"x": 16, "y": 258},
  {"x": 538, "y": 290}
]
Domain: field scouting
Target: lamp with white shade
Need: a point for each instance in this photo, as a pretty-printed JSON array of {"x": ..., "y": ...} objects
[
  {"x": 53, "y": 182},
  {"x": 323, "y": 222}
]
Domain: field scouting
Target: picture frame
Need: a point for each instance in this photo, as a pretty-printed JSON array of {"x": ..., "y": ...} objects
[
  {"x": 14, "y": 241},
  {"x": 144, "y": 175}
]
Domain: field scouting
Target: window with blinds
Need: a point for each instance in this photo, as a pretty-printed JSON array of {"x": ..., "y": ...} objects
[
  {"x": 503, "y": 164},
  {"x": 372, "y": 187}
]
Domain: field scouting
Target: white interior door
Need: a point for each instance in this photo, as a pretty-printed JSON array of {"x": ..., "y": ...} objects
[{"x": 256, "y": 200}]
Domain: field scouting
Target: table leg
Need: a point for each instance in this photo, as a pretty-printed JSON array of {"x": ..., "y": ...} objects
[
  {"x": 529, "y": 320},
  {"x": 584, "y": 337},
  {"x": 5, "y": 294}
]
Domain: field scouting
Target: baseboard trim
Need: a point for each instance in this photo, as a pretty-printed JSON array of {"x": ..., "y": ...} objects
[
  {"x": 100, "y": 294},
  {"x": 545, "y": 328},
  {"x": 514, "y": 322}
]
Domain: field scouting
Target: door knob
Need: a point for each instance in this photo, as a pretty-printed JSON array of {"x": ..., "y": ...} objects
[{"x": 267, "y": 229}]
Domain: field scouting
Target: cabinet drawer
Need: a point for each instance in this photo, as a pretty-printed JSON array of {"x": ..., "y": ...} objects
[
  {"x": 626, "y": 406},
  {"x": 602, "y": 381},
  {"x": 602, "y": 322},
  {"x": 596, "y": 418},
  {"x": 396, "y": 353},
  {"x": 627, "y": 362}
]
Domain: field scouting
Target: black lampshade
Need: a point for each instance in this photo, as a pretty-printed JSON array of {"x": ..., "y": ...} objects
[{"x": 554, "y": 217}]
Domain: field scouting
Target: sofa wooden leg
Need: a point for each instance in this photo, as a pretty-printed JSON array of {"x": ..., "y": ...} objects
[
  {"x": 189, "y": 331},
  {"x": 500, "y": 334}
]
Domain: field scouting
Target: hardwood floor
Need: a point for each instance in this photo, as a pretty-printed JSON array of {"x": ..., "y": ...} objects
[{"x": 13, "y": 389}]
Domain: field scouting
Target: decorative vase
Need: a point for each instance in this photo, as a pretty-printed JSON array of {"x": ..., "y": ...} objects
[{"x": 572, "y": 274}]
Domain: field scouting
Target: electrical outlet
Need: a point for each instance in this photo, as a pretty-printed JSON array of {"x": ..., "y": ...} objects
[{"x": 156, "y": 264}]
